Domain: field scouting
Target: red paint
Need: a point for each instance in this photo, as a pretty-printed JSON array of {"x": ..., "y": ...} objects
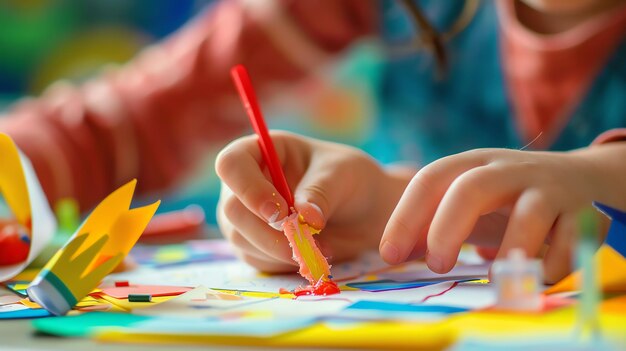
[
  {"x": 441, "y": 293},
  {"x": 322, "y": 288},
  {"x": 14, "y": 245}
]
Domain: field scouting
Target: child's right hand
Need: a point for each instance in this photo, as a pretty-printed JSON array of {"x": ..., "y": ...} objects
[{"x": 336, "y": 188}]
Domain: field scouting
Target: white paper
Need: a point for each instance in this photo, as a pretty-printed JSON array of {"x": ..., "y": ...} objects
[{"x": 43, "y": 221}]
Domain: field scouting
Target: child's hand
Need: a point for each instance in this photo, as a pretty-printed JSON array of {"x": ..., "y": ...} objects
[
  {"x": 504, "y": 198},
  {"x": 336, "y": 188}
]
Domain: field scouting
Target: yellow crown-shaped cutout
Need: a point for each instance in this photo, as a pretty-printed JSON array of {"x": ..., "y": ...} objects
[{"x": 98, "y": 245}]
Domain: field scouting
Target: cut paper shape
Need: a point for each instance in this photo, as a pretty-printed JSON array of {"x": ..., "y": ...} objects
[
  {"x": 379, "y": 310},
  {"x": 379, "y": 335},
  {"x": 126, "y": 306},
  {"x": 23, "y": 194},
  {"x": 386, "y": 285},
  {"x": 616, "y": 305},
  {"x": 18, "y": 287},
  {"x": 244, "y": 327},
  {"x": 418, "y": 271},
  {"x": 188, "y": 252},
  {"x": 200, "y": 302},
  {"x": 20, "y": 311},
  {"x": 84, "y": 324},
  {"x": 9, "y": 299},
  {"x": 616, "y": 237},
  {"x": 97, "y": 247},
  {"x": 612, "y": 275},
  {"x": 122, "y": 292}
]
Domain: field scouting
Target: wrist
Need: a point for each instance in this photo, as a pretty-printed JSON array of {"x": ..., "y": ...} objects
[{"x": 605, "y": 167}]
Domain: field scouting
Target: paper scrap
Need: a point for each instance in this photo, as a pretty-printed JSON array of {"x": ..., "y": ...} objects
[
  {"x": 23, "y": 194},
  {"x": 386, "y": 285},
  {"x": 85, "y": 323},
  {"x": 381, "y": 310},
  {"x": 19, "y": 311},
  {"x": 122, "y": 292},
  {"x": 612, "y": 275}
]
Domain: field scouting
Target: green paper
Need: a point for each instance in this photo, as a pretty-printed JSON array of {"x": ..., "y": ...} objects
[
  {"x": 68, "y": 215},
  {"x": 83, "y": 325}
]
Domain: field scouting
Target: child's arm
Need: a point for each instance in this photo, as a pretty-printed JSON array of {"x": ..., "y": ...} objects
[
  {"x": 337, "y": 188},
  {"x": 154, "y": 118},
  {"x": 539, "y": 194}
]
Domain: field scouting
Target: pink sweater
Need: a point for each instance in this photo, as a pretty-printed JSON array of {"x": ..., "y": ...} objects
[{"x": 153, "y": 118}]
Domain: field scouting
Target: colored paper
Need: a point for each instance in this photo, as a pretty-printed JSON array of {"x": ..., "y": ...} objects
[
  {"x": 381, "y": 310},
  {"x": 85, "y": 323},
  {"x": 379, "y": 335},
  {"x": 122, "y": 292},
  {"x": 202, "y": 302},
  {"x": 616, "y": 237},
  {"x": 386, "y": 285},
  {"x": 235, "y": 275},
  {"x": 22, "y": 192},
  {"x": 221, "y": 327},
  {"x": 19, "y": 311},
  {"x": 123, "y": 305},
  {"x": 96, "y": 248},
  {"x": 197, "y": 303},
  {"x": 410, "y": 296},
  {"x": 418, "y": 271},
  {"x": 616, "y": 305},
  {"x": 612, "y": 275},
  {"x": 192, "y": 251}
]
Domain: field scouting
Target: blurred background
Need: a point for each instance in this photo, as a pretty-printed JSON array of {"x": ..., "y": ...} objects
[{"x": 42, "y": 41}]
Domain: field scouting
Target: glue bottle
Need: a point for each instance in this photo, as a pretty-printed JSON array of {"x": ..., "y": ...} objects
[{"x": 518, "y": 282}]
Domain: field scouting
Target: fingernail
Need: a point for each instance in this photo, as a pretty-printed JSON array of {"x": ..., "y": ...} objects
[
  {"x": 270, "y": 211},
  {"x": 313, "y": 215},
  {"x": 435, "y": 263},
  {"x": 389, "y": 252},
  {"x": 277, "y": 224}
]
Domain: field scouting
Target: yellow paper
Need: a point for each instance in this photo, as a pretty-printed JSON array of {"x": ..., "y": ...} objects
[
  {"x": 96, "y": 248},
  {"x": 13, "y": 180},
  {"x": 378, "y": 335},
  {"x": 23, "y": 194},
  {"x": 612, "y": 274},
  {"x": 127, "y": 306},
  {"x": 616, "y": 305}
]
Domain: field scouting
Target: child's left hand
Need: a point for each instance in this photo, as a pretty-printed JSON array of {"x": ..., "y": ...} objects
[{"x": 505, "y": 198}]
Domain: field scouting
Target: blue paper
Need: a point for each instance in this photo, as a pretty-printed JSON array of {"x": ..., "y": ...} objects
[
  {"x": 26, "y": 313},
  {"x": 616, "y": 238},
  {"x": 385, "y": 285},
  {"x": 401, "y": 307}
]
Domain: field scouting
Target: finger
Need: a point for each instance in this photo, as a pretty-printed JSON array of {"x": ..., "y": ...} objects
[
  {"x": 419, "y": 202},
  {"x": 476, "y": 192},
  {"x": 265, "y": 265},
  {"x": 489, "y": 230},
  {"x": 239, "y": 167},
  {"x": 531, "y": 220},
  {"x": 270, "y": 242},
  {"x": 322, "y": 189},
  {"x": 557, "y": 262},
  {"x": 487, "y": 253},
  {"x": 244, "y": 245}
]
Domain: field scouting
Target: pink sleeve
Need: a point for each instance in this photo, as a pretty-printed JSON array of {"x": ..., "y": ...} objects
[
  {"x": 153, "y": 118},
  {"x": 618, "y": 134}
]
